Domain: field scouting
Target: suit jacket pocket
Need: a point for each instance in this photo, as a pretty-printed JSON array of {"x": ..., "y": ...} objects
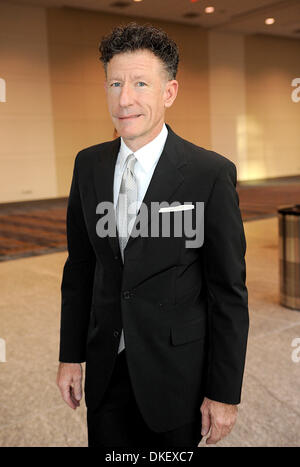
[{"x": 188, "y": 331}]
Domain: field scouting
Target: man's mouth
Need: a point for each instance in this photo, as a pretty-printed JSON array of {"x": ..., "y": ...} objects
[{"x": 129, "y": 117}]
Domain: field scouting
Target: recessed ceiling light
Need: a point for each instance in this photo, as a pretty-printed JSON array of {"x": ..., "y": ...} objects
[
  {"x": 269, "y": 21},
  {"x": 209, "y": 9},
  {"x": 137, "y": 0}
]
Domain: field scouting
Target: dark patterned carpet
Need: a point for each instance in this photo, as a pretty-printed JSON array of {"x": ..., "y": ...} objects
[
  {"x": 39, "y": 227},
  {"x": 261, "y": 199},
  {"x": 32, "y": 228}
]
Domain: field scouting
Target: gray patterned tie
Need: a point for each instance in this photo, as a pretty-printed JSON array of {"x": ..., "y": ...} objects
[
  {"x": 128, "y": 190},
  {"x": 128, "y": 195}
]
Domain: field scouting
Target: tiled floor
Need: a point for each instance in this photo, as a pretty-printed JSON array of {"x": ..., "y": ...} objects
[{"x": 31, "y": 410}]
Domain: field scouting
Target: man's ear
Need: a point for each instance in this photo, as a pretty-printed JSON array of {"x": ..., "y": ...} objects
[{"x": 171, "y": 92}]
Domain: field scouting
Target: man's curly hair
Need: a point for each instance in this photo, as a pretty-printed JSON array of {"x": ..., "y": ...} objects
[{"x": 132, "y": 37}]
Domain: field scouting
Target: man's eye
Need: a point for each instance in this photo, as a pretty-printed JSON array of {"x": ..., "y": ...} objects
[
  {"x": 115, "y": 85},
  {"x": 141, "y": 84}
]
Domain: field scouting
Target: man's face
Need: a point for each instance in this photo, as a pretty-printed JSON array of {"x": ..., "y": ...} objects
[{"x": 138, "y": 92}]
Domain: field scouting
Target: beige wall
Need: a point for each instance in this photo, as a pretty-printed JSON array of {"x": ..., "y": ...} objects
[
  {"x": 26, "y": 133},
  {"x": 234, "y": 97},
  {"x": 253, "y": 119},
  {"x": 79, "y": 106},
  {"x": 273, "y": 119}
]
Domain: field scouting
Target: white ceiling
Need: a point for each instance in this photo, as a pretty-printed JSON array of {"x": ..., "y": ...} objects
[{"x": 243, "y": 16}]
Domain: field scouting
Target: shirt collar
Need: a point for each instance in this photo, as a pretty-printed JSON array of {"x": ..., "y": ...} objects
[{"x": 148, "y": 154}]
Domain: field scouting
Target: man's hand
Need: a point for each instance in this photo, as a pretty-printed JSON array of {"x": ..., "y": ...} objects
[
  {"x": 217, "y": 417},
  {"x": 69, "y": 380}
]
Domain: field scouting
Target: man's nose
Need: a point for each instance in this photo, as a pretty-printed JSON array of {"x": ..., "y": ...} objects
[{"x": 126, "y": 96}]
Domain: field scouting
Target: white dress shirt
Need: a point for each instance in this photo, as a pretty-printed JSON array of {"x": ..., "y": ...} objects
[{"x": 147, "y": 158}]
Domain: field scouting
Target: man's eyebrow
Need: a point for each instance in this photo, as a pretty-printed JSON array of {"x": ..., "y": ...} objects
[
  {"x": 134, "y": 77},
  {"x": 114, "y": 78},
  {"x": 140, "y": 77}
]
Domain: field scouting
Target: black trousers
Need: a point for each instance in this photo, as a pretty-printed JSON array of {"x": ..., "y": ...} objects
[{"x": 119, "y": 423}]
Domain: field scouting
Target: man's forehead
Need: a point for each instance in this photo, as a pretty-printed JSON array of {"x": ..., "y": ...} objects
[{"x": 140, "y": 54}]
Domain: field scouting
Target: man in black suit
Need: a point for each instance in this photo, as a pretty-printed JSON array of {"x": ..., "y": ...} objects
[{"x": 161, "y": 322}]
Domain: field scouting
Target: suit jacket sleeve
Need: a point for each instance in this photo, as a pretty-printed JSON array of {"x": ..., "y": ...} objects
[
  {"x": 225, "y": 271},
  {"x": 77, "y": 280}
]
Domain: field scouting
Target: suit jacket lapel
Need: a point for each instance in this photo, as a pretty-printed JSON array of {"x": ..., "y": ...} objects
[{"x": 104, "y": 183}]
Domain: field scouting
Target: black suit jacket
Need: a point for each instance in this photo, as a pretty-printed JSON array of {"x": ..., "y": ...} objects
[{"x": 184, "y": 310}]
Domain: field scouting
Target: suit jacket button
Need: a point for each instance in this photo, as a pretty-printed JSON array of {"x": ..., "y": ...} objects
[
  {"x": 116, "y": 333},
  {"x": 126, "y": 294}
]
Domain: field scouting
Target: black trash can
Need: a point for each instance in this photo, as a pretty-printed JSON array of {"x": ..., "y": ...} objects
[{"x": 289, "y": 256}]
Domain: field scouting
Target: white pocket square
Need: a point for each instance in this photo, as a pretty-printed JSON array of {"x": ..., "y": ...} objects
[{"x": 181, "y": 207}]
